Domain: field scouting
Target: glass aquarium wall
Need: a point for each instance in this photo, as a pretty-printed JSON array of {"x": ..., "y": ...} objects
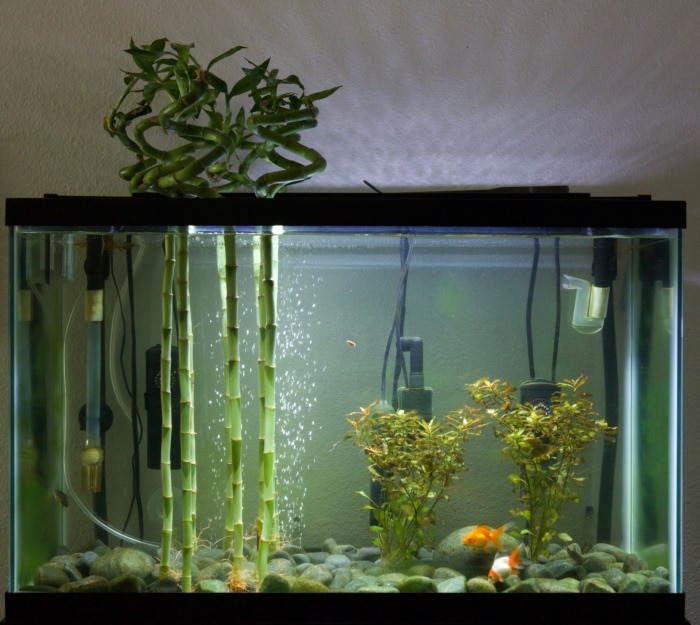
[{"x": 478, "y": 391}]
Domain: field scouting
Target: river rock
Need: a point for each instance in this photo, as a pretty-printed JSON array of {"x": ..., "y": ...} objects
[
  {"x": 300, "y": 584},
  {"x": 615, "y": 552},
  {"x": 85, "y": 561},
  {"x": 126, "y": 583},
  {"x": 217, "y": 570},
  {"x": 445, "y": 572},
  {"x": 538, "y": 570},
  {"x": 468, "y": 561},
  {"x": 361, "y": 583},
  {"x": 212, "y": 586},
  {"x": 281, "y": 566},
  {"x": 317, "y": 557},
  {"x": 614, "y": 576},
  {"x": 481, "y": 585},
  {"x": 559, "y": 569},
  {"x": 341, "y": 578},
  {"x": 526, "y": 586},
  {"x": 273, "y": 582},
  {"x": 123, "y": 561},
  {"x": 633, "y": 582},
  {"x": 595, "y": 562},
  {"x": 452, "y": 585},
  {"x": 391, "y": 579},
  {"x": 384, "y": 590},
  {"x": 567, "y": 584},
  {"x": 658, "y": 584},
  {"x": 336, "y": 561},
  {"x": 280, "y": 554},
  {"x": 319, "y": 573},
  {"x": 92, "y": 583},
  {"x": 596, "y": 585},
  {"x": 371, "y": 554},
  {"x": 51, "y": 574},
  {"x": 631, "y": 563},
  {"x": 166, "y": 584},
  {"x": 417, "y": 583}
]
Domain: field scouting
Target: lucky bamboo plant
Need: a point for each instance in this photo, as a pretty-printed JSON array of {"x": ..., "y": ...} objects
[
  {"x": 213, "y": 157},
  {"x": 218, "y": 145}
]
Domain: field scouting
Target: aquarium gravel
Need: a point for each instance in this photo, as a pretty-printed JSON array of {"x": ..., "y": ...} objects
[{"x": 336, "y": 567}]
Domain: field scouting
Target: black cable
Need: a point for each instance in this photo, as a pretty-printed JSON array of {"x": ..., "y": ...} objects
[
  {"x": 136, "y": 425},
  {"x": 557, "y": 322},
  {"x": 406, "y": 250},
  {"x": 528, "y": 314},
  {"x": 400, "y": 318},
  {"x": 131, "y": 388}
]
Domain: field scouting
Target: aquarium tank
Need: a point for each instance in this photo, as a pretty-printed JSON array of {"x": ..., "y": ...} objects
[{"x": 443, "y": 405}]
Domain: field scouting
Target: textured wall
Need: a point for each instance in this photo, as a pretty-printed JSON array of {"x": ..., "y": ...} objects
[{"x": 599, "y": 95}]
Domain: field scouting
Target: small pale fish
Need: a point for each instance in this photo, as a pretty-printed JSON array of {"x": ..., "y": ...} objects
[
  {"x": 503, "y": 566},
  {"x": 350, "y": 343},
  {"x": 60, "y": 497}
]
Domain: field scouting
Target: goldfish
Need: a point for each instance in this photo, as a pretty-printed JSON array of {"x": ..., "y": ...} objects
[
  {"x": 503, "y": 566},
  {"x": 483, "y": 537}
]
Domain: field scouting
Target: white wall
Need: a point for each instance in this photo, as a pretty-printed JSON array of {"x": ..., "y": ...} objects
[{"x": 600, "y": 95}]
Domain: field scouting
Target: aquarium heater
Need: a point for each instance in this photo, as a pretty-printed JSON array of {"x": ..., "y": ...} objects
[{"x": 96, "y": 270}]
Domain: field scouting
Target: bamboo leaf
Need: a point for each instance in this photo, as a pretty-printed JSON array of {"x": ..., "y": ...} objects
[
  {"x": 183, "y": 52},
  {"x": 320, "y": 95},
  {"x": 224, "y": 55}
]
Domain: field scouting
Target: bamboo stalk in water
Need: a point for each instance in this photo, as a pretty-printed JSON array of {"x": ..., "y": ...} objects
[
  {"x": 233, "y": 516},
  {"x": 187, "y": 432},
  {"x": 166, "y": 405},
  {"x": 266, "y": 267}
]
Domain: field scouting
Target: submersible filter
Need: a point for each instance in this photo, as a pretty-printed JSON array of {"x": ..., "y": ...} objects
[{"x": 416, "y": 396}]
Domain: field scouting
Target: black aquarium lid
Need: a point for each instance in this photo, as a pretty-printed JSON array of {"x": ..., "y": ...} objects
[{"x": 441, "y": 210}]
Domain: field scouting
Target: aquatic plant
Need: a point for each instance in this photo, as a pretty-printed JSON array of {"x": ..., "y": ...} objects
[
  {"x": 415, "y": 461},
  {"x": 547, "y": 443}
]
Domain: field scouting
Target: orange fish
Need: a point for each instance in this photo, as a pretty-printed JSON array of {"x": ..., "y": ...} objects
[
  {"x": 483, "y": 537},
  {"x": 503, "y": 566}
]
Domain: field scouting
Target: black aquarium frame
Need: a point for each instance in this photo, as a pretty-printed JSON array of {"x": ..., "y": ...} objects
[
  {"x": 525, "y": 211},
  {"x": 30, "y": 608},
  {"x": 490, "y": 212}
]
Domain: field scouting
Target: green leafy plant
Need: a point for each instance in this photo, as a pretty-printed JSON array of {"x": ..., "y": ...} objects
[
  {"x": 415, "y": 461},
  {"x": 219, "y": 142},
  {"x": 547, "y": 443}
]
